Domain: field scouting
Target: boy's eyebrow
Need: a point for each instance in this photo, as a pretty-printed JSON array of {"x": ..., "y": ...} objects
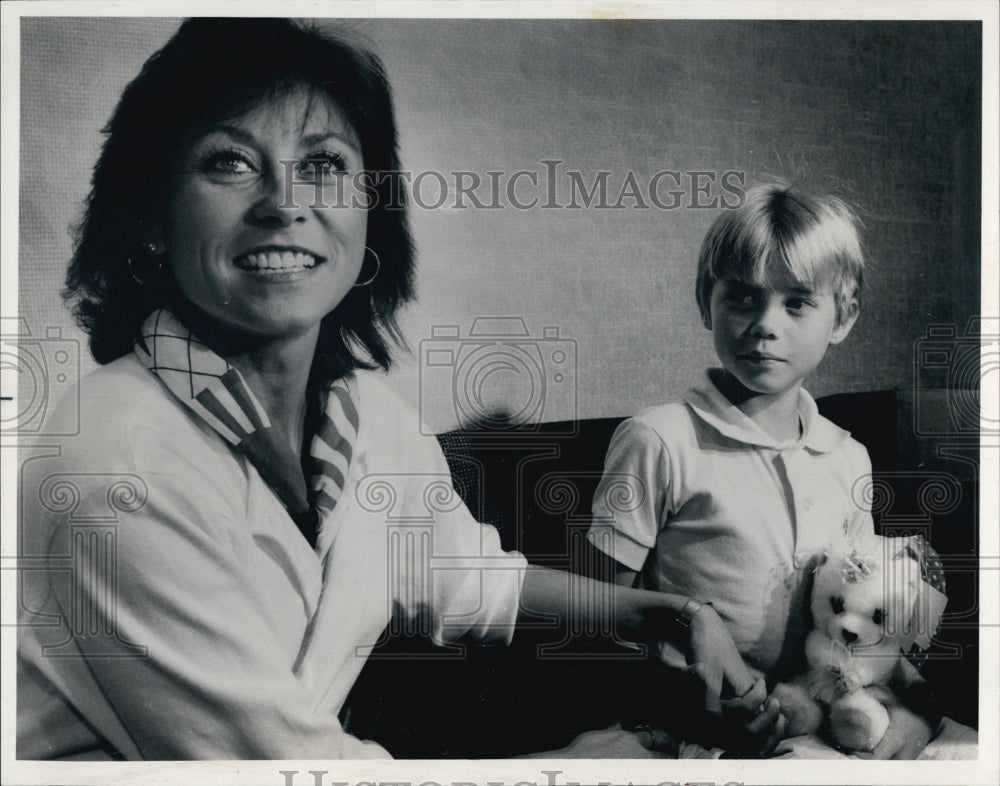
[
  {"x": 794, "y": 289},
  {"x": 736, "y": 283}
]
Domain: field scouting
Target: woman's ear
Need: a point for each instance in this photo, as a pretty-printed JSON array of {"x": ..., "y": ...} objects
[
  {"x": 847, "y": 315},
  {"x": 151, "y": 237}
]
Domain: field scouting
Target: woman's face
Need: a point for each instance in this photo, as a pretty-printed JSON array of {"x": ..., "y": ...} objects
[{"x": 257, "y": 255}]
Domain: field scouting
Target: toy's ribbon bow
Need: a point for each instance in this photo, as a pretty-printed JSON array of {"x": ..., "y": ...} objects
[{"x": 855, "y": 569}]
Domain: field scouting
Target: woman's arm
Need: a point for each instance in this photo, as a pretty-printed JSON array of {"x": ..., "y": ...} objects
[{"x": 643, "y": 615}]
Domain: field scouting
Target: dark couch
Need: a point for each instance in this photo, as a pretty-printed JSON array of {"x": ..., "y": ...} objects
[{"x": 535, "y": 484}]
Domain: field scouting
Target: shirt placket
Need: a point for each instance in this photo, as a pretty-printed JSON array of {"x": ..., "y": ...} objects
[{"x": 806, "y": 502}]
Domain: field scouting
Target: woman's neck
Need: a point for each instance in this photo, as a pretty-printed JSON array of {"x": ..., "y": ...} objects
[
  {"x": 276, "y": 369},
  {"x": 279, "y": 377},
  {"x": 775, "y": 413}
]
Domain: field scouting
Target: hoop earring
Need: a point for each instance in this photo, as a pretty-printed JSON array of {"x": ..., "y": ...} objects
[
  {"x": 131, "y": 272},
  {"x": 378, "y": 267}
]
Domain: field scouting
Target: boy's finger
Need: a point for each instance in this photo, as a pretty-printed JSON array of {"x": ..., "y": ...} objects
[
  {"x": 765, "y": 720},
  {"x": 758, "y": 737},
  {"x": 776, "y": 736}
]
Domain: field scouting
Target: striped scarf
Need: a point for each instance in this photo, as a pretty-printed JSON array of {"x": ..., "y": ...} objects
[{"x": 217, "y": 393}]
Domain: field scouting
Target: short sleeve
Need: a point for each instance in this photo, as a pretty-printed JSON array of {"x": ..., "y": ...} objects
[
  {"x": 861, "y": 525},
  {"x": 630, "y": 499}
]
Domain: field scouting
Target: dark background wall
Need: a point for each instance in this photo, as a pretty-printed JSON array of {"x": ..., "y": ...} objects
[{"x": 884, "y": 114}]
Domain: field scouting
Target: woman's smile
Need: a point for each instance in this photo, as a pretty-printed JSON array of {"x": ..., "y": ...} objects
[{"x": 277, "y": 260}]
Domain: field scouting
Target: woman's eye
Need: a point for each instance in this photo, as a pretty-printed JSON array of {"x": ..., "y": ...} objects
[
  {"x": 228, "y": 163},
  {"x": 796, "y": 303},
  {"x": 325, "y": 163}
]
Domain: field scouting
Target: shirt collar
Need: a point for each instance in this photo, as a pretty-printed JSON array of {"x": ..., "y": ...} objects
[{"x": 818, "y": 434}]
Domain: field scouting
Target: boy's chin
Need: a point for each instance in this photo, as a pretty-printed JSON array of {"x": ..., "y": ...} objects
[{"x": 738, "y": 386}]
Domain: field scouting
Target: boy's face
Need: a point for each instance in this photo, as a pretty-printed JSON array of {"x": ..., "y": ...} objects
[{"x": 771, "y": 337}]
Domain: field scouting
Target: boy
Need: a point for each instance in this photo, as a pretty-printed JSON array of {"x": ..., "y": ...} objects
[{"x": 742, "y": 482}]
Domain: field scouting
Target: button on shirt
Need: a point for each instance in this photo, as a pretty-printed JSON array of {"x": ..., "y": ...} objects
[{"x": 721, "y": 511}]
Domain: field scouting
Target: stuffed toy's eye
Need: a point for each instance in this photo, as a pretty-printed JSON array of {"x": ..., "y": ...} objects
[
  {"x": 837, "y": 604},
  {"x": 878, "y": 616}
]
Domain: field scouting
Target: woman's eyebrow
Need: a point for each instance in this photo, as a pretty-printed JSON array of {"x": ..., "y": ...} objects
[
  {"x": 315, "y": 139},
  {"x": 247, "y": 138},
  {"x": 237, "y": 133}
]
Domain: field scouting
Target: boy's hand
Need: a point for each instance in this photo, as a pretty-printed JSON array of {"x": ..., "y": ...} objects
[
  {"x": 756, "y": 738},
  {"x": 750, "y": 702}
]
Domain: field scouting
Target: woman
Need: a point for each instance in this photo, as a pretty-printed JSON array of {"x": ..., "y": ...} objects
[{"x": 239, "y": 274}]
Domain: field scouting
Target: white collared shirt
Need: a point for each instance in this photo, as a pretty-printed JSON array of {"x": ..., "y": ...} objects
[
  {"x": 231, "y": 638},
  {"x": 720, "y": 511}
]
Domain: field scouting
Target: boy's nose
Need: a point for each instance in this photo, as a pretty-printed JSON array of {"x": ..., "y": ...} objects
[{"x": 764, "y": 324}]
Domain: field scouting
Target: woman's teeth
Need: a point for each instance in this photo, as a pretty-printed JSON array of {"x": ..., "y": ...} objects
[{"x": 277, "y": 260}]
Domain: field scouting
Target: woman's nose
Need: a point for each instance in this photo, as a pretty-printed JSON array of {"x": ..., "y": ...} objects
[{"x": 276, "y": 204}]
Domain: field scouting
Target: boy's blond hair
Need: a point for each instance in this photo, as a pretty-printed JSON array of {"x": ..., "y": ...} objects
[{"x": 813, "y": 239}]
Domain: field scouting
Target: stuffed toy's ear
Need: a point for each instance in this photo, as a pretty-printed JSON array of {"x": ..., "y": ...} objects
[{"x": 916, "y": 599}]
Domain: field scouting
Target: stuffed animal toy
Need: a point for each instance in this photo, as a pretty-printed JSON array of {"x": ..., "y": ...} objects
[{"x": 870, "y": 605}]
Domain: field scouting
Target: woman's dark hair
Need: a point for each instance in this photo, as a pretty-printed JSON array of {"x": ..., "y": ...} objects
[{"x": 213, "y": 69}]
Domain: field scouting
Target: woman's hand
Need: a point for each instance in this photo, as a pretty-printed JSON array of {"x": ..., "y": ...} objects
[{"x": 717, "y": 663}]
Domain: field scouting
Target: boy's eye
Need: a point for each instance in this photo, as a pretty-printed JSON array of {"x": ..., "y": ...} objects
[
  {"x": 878, "y": 617},
  {"x": 742, "y": 297},
  {"x": 837, "y": 604},
  {"x": 797, "y": 303}
]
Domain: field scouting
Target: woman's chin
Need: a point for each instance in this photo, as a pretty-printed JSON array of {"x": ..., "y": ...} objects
[{"x": 239, "y": 328}]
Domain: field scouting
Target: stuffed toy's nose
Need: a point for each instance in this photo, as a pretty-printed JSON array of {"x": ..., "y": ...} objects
[{"x": 849, "y": 636}]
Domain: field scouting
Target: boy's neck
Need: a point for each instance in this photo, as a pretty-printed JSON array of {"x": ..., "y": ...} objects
[{"x": 776, "y": 413}]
